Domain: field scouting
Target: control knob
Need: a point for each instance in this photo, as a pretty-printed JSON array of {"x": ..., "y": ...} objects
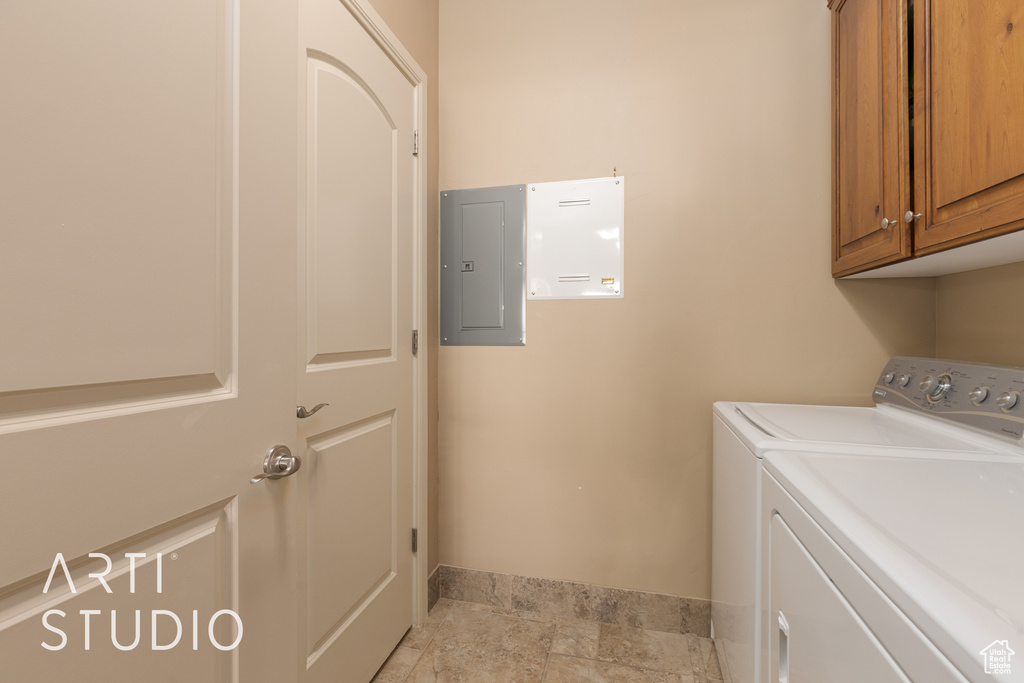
[
  {"x": 935, "y": 388},
  {"x": 889, "y": 377},
  {"x": 1007, "y": 399},
  {"x": 904, "y": 379},
  {"x": 978, "y": 395}
]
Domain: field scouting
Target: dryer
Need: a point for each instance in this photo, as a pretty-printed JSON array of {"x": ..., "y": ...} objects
[
  {"x": 883, "y": 568},
  {"x": 923, "y": 408}
]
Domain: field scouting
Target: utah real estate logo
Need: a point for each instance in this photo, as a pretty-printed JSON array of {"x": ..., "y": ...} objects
[{"x": 997, "y": 657}]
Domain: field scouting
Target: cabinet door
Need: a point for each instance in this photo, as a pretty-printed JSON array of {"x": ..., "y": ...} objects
[
  {"x": 870, "y": 174},
  {"x": 969, "y": 165}
]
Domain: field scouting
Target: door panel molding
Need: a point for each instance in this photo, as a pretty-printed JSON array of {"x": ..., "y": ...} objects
[
  {"x": 351, "y": 268},
  {"x": 139, "y": 230},
  {"x": 340, "y": 461},
  {"x": 22, "y": 410}
]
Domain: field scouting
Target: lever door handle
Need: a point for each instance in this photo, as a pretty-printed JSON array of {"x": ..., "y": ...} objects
[
  {"x": 278, "y": 463},
  {"x": 302, "y": 413}
]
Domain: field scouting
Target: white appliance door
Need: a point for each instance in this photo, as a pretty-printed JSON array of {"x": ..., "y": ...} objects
[{"x": 815, "y": 635}]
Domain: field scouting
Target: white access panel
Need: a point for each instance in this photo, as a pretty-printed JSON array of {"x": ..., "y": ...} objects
[{"x": 575, "y": 237}]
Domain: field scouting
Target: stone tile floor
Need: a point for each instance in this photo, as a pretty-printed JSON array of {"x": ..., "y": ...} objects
[{"x": 464, "y": 642}]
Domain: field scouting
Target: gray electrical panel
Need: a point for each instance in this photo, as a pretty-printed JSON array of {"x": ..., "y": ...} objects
[{"x": 483, "y": 273}]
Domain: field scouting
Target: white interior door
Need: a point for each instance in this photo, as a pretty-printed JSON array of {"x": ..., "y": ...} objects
[
  {"x": 357, "y": 198},
  {"x": 147, "y": 189}
]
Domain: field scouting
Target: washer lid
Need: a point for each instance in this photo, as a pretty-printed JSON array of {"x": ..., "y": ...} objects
[
  {"x": 944, "y": 539},
  {"x": 773, "y": 425}
]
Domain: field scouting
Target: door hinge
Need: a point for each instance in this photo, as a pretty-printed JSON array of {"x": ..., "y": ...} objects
[
  {"x": 415, "y": 540},
  {"x": 415, "y": 142},
  {"x": 415, "y": 342}
]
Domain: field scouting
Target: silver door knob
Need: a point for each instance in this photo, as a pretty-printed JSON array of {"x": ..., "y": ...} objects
[
  {"x": 279, "y": 462},
  {"x": 302, "y": 413},
  {"x": 910, "y": 217},
  {"x": 886, "y": 223}
]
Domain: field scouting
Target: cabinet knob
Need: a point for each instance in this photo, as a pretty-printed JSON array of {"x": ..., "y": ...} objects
[
  {"x": 886, "y": 223},
  {"x": 910, "y": 216}
]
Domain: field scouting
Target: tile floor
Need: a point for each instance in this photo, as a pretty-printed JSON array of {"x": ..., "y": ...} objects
[{"x": 464, "y": 642}]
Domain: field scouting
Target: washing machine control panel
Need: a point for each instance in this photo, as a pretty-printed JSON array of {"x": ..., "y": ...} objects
[{"x": 983, "y": 396}]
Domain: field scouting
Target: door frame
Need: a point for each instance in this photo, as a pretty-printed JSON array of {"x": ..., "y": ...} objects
[{"x": 374, "y": 25}]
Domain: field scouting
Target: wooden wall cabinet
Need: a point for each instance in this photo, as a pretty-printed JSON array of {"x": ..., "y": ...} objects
[
  {"x": 922, "y": 170},
  {"x": 871, "y": 148}
]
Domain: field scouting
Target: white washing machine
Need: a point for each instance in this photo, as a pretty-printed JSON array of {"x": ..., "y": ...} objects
[{"x": 919, "y": 413}]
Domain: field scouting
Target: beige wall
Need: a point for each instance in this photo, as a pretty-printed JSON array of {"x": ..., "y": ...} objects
[
  {"x": 979, "y": 316},
  {"x": 415, "y": 24},
  {"x": 586, "y": 455}
]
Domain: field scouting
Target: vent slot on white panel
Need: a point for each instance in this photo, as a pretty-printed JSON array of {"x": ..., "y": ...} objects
[
  {"x": 585, "y": 201},
  {"x": 574, "y": 278}
]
